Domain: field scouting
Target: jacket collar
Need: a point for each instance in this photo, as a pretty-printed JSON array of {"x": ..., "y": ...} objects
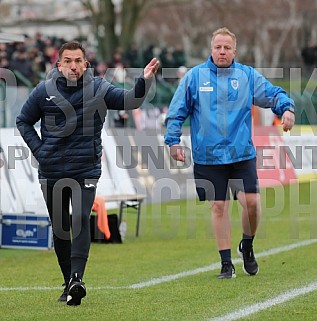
[
  {"x": 57, "y": 76},
  {"x": 213, "y": 67}
]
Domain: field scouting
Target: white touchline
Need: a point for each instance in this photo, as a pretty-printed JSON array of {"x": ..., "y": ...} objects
[
  {"x": 259, "y": 306},
  {"x": 31, "y": 288},
  {"x": 172, "y": 277},
  {"x": 215, "y": 266}
]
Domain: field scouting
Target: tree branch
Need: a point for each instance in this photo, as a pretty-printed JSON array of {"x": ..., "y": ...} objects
[{"x": 88, "y": 5}]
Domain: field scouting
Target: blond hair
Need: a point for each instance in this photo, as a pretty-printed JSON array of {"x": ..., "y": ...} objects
[{"x": 224, "y": 31}]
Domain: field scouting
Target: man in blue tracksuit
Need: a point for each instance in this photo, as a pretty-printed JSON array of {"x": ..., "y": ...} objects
[
  {"x": 217, "y": 96},
  {"x": 71, "y": 106}
]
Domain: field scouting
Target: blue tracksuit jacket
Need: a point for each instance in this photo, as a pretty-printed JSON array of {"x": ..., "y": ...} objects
[
  {"x": 72, "y": 118},
  {"x": 218, "y": 102}
]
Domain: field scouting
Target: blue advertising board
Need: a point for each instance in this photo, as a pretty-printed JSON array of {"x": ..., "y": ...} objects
[{"x": 30, "y": 231}]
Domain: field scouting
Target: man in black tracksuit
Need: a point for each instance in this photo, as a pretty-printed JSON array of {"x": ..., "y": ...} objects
[{"x": 71, "y": 106}]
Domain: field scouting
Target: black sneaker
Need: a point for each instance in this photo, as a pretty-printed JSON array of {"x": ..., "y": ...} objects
[
  {"x": 63, "y": 297},
  {"x": 227, "y": 271},
  {"x": 76, "y": 290},
  {"x": 250, "y": 266}
]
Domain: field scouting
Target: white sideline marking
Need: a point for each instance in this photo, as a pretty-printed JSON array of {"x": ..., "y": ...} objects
[
  {"x": 40, "y": 288},
  {"x": 215, "y": 266},
  {"x": 172, "y": 277},
  {"x": 257, "y": 307},
  {"x": 50, "y": 288}
]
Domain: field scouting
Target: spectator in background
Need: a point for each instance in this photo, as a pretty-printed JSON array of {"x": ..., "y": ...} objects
[
  {"x": 101, "y": 69},
  {"x": 21, "y": 67},
  {"x": 181, "y": 71},
  {"x": 131, "y": 57},
  {"x": 117, "y": 71},
  {"x": 121, "y": 119},
  {"x": 309, "y": 55},
  {"x": 167, "y": 58},
  {"x": 162, "y": 116},
  {"x": 39, "y": 43},
  {"x": 91, "y": 57},
  {"x": 10, "y": 49},
  {"x": 38, "y": 64},
  {"x": 117, "y": 59},
  {"x": 119, "y": 74},
  {"x": 148, "y": 52},
  {"x": 4, "y": 62},
  {"x": 50, "y": 55},
  {"x": 179, "y": 57}
]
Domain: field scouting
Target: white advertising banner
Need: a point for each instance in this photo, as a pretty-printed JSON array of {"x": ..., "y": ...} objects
[
  {"x": 20, "y": 190},
  {"x": 138, "y": 162},
  {"x": 302, "y": 143}
]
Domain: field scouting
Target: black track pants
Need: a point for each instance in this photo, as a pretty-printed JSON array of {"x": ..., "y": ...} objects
[{"x": 71, "y": 233}]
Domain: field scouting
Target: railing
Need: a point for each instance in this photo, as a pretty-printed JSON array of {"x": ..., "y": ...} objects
[{"x": 26, "y": 82}]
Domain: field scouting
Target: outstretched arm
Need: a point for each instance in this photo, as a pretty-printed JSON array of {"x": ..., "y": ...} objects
[{"x": 118, "y": 99}]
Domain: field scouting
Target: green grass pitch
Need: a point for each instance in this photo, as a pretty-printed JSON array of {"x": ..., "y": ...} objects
[{"x": 169, "y": 272}]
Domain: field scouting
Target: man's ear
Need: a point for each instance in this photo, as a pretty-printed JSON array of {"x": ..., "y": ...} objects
[
  {"x": 86, "y": 64},
  {"x": 59, "y": 66}
]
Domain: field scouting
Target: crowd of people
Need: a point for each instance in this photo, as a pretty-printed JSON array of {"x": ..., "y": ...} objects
[{"x": 32, "y": 59}]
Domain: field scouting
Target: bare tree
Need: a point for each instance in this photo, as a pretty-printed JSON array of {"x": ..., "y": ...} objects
[
  {"x": 103, "y": 25},
  {"x": 268, "y": 35},
  {"x": 115, "y": 21}
]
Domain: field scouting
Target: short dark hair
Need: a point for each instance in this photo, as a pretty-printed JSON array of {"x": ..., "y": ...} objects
[{"x": 71, "y": 45}]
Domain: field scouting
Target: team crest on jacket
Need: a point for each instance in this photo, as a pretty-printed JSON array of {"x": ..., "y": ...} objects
[{"x": 234, "y": 84}]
